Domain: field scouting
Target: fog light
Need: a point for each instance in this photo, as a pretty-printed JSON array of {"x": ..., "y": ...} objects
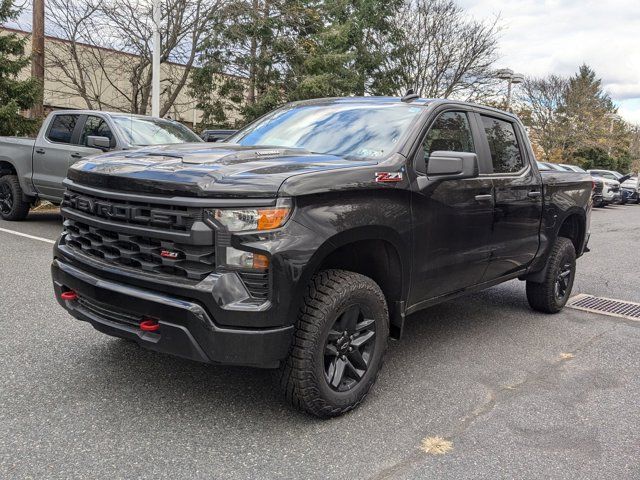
[{"x": 242, "y": 259}]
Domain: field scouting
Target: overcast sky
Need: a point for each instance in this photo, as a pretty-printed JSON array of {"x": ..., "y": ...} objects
[{"x": 540, "y": 37}]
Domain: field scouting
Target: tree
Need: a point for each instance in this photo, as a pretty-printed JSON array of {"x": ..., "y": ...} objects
[
  {"x": 542, "y": 98},
  {"x": 253, "y": 63},
  {"x": 92, "y": 64},
  {"x": 587, "y": 111},
  {"x": 348, "y": 56},
  {"x": 442, "y": 53},
  {"x": 15, "y": 94}
]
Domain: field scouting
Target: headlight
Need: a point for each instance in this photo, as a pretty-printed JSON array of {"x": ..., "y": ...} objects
[{"x": 243, "y": 219}]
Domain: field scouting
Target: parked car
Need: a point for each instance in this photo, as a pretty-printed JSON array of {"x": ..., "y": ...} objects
[
  {"x": 216, "y": 135},
  {"x": 573, "y": 168},
  {"x": 632, "y": 186},
  {"x": 597, "y": 192},
  {"x": 34, "y": 169},
  {"x": 627, "y": 194},
  {"x": 553, "y": 166},
  {"x": 306, "y": 242}
]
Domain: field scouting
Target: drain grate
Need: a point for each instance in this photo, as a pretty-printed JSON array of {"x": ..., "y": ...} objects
[{"x": 606, "y": 306}]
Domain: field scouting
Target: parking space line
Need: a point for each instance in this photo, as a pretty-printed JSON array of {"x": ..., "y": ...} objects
[{"x": 27, "y": 236}]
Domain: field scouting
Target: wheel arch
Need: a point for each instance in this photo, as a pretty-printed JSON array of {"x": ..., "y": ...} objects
[
  {"x": 572, "y": 226},
  {"x": 7, "y": 168},
  {"x": 374, "y": 251}
]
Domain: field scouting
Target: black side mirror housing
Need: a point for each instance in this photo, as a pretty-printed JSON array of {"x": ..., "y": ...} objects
[
  {"x": 445, "y": 165},
  {"x": 103, "y": 143}
]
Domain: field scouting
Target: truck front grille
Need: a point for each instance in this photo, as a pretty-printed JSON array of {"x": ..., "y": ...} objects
[
  {"x": 167, "y": 217},
  {"x": 145, "y": 253}
]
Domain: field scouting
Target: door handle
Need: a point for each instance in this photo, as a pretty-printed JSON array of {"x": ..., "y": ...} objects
[
  {"x": 484, "y": 198},
  {"x": 39, "y": 150},
  {"x": 534, "y": 194},
  {"x": 76, "y": 155}
]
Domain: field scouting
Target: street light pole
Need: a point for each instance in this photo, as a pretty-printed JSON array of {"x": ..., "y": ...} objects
[
  {"x": 512, "y": 79},
  {"x": 155, "y": 64}
]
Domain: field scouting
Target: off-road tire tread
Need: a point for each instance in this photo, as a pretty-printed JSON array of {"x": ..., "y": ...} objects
[
  {"x": 20, "y": 207},
  {"x": 541, "y": 296},
  {"x": 297, "y": 377}
]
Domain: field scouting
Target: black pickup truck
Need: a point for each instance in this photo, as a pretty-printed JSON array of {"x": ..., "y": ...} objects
[{"x": 305, "y": 241}]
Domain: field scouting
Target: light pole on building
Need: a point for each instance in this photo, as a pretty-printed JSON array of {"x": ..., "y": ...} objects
[
  {"x": 155, "y": 64},
  {"x": 512, "y": 79}
]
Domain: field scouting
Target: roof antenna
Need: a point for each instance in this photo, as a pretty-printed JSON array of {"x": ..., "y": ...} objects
[{"x": 410, "y": 95}]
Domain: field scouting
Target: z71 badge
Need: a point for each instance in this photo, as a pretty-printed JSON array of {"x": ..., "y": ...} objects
[{"x": 388, "y": 177}]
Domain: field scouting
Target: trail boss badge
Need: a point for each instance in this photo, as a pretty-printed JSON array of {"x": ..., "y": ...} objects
[{"x": 388, "y": 177}]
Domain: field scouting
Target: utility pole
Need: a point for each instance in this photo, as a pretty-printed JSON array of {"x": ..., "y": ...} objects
[
  {"x": 155, "y": 64},
  {"x": 37, "y": 55}
]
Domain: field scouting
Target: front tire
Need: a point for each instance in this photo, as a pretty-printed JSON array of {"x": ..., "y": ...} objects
[
  {"x": 339, "y": 344},
  {"x": 12, "y": 205},
  {"x": 552, "y": 294}
]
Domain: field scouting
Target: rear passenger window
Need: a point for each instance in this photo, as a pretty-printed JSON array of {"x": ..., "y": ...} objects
[
  {"x": 62, "y": 128},
  {"x": 503, "y": 143}
]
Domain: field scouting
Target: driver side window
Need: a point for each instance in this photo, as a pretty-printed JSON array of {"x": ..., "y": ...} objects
[
  {"x": 97, "y": 127},
  {"x": 450, "y": 132}
]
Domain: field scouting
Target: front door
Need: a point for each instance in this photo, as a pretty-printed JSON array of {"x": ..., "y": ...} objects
[{"x": 452, "y": 218}]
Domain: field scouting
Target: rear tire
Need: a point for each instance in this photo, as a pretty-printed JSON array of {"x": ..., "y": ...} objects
[
  {"x": 12, "y": 205},
  {"x": 552, "y": 294},
  {"x": 338, "y": 346}
]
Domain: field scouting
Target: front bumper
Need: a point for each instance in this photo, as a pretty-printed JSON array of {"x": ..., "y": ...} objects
[{"x": 186, "y": 329}]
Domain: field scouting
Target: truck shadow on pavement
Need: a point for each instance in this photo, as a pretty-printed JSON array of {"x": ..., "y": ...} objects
[{"x": 453, "y": 331}]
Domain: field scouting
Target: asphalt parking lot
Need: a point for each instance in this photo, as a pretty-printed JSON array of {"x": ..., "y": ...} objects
[{"x": 519, "y": 394}]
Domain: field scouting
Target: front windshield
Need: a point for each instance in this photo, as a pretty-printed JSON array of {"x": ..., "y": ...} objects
[
  {"x": 141, "y": 131},
  {"x": 347, "y": 129}
]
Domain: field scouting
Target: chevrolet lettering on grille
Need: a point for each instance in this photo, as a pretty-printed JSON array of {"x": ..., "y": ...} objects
[{"x": 126, "y": 213}]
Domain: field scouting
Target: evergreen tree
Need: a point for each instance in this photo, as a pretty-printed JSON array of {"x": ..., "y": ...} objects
[
  {"x": 586, "y": 112},
  {"x": 251, "y": 61},
  {"x": 347, "y": 57},
  {"x": 15, "y": 94}
]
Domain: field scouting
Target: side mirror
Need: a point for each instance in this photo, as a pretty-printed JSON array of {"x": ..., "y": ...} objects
[
  {"x": 445, "y": 165},
  {"x": 103, "y": 143},
  {"x": 624, "y": 178}
]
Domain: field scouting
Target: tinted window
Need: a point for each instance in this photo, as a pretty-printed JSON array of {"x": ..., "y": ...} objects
[
  {"x": 95, "y": 127},
  {"x": 346, "y": 129},
  {"x": 503, "y": 143},
  {"x": 450, "y": 132},
  {"x": 62, "y": 128}
]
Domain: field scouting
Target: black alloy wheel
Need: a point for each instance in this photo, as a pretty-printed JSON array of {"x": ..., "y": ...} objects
[
  {"x": 348, "y": 349},
  {"x": 563, "y": 280},
  {"x": 338, "y": 345},
  {"x": 6, "y": 199}
]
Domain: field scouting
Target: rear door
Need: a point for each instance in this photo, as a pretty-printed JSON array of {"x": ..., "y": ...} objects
[
  {"x": 452, "y": 218},
  {"x": 52, "y": 154},
  {"x": 517, "y": 197}
]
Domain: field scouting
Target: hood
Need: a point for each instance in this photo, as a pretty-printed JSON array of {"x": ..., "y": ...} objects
[{"x": 204, "y": 170}]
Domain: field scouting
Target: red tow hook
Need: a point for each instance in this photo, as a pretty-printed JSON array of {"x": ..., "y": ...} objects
[
  {"x": 149, "y": 325},
  {"x": 69, "y": 296}
]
